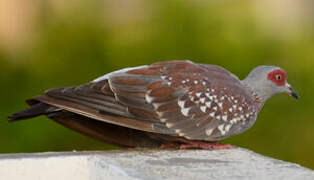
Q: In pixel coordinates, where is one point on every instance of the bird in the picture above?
(169, 104)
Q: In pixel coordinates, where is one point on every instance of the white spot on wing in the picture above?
(209, 132)
(202, 100)
(157, 105)
(208, 104)
(177, 131)
(181, 103)
(163, 120)
(235, 120)
(225, 118)
(227, 127)
(221, 129)
(203, 108)
(212, 114)
(148, 98)
(169, 125)
(220, 105)
(159, 113)
(185, 111)
(198, 94)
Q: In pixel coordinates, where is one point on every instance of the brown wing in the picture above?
(95, 100)
(197, 101)
(177, 98)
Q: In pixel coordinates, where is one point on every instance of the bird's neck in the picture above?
(259, 95)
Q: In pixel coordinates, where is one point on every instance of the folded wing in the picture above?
(176, 98)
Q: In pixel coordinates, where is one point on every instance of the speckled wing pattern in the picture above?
(181, 98)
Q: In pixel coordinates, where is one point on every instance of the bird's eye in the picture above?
(278, 77)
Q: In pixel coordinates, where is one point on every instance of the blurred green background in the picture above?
(55, 43)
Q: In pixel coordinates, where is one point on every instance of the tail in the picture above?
(33, 111)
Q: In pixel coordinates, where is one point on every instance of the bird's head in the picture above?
(267, 81)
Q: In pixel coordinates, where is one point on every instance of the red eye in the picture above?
(278, 77)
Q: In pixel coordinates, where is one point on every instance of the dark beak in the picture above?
(292, 92)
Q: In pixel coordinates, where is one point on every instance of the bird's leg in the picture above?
(170, 145)
(204, 145)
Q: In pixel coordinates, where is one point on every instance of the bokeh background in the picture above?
(55, 43)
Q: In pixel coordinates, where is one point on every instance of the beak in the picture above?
(291, 91)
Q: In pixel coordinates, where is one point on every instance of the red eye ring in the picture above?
(278, 77)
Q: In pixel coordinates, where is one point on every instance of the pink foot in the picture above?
(188, 144)
(204, 145)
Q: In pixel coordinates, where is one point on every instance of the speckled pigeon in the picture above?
(174, 104)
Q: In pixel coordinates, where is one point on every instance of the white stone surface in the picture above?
(236, 163)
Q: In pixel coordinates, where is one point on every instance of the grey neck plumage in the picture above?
(260, 95)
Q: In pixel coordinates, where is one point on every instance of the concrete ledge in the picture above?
(148, 164)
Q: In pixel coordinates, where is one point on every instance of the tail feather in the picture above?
(33, 111)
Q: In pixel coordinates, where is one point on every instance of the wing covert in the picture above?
(196, 101)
